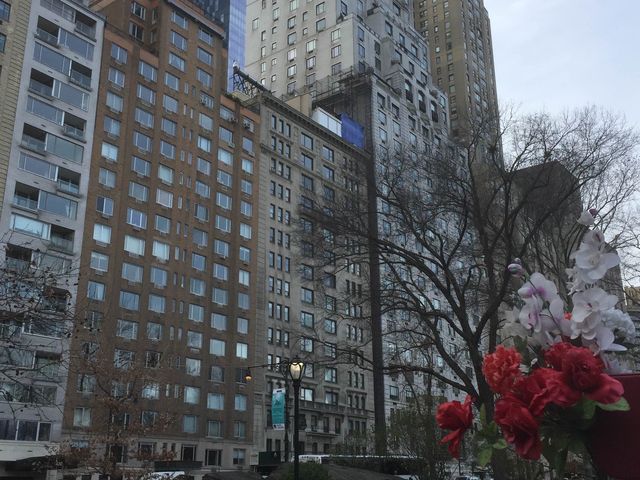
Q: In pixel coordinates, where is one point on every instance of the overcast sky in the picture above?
(557, 54)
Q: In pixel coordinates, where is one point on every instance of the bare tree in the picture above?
(112, 429)
(437, 230)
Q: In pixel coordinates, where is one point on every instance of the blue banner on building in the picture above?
(352, 131)
(278, 397)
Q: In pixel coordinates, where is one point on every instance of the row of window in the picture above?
(97, 291)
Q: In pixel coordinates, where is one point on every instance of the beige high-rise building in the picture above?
(461, 57)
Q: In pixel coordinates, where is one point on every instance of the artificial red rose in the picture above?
(456, 417)
(501, 369)
(582, 372)
(537, 390)
(554, 355)
(519, 427)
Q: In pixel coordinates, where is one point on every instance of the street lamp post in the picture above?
(296, 369)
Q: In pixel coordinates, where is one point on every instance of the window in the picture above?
(197, 287)
(136, 31)
(82, 417)
(143, 142)
(138, 10)
(170, 128)
(306, 319)
(221, 248)
(145, 119)
(219, 321)
(204, 166)
(245, 231)
(127, 329)
(149, 72)
(140, 166)
(191, 395)
(157, 303)
(102, 233)
(240, 402)
(172, 81)
(138, 191)
(179, 20)
(215, 401)
(330, 326)
(112, 127)
(239, 456)
(129, 300)
(132, 273)
(200, 237)
(109, 152)
(164, 198)
(118, 53)
(214, 429)
(220, 296)
(104, 205)
(204, 78)
(177, 41)
(165, 174)
(243, 325)
(189, 423)
(134, 245)
(239, 429)
(223, 224)
(217, 347)
(306, 344)
(242, 350)
(158, 277)
(321, 25)
(170, 104)
(136, 218)
(331, 374)
(145, 94)
(244, 254)
(116, 77)
(194, 339)
(226, 157)
(196, 313)
(161, 250)
(96, 291)
(99, 261)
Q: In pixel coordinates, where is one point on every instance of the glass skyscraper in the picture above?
(231, 15)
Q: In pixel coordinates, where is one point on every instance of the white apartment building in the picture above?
(47, 173)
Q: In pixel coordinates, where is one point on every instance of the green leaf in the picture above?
(483, 415)
(587, 408)
(484, 455)
(620, 406)
(500, 444)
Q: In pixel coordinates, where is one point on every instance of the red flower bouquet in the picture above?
(545, 406)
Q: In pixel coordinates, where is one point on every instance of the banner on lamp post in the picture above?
(277, 408)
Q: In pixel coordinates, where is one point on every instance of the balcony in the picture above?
(40, 89)
(33, 144)
(46, 37)
(62, 244)
(69, 186)
(86, 30)
(25, 202)
(80, 79)
(73, 132)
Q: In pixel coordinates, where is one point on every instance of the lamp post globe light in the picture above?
(296, 369)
